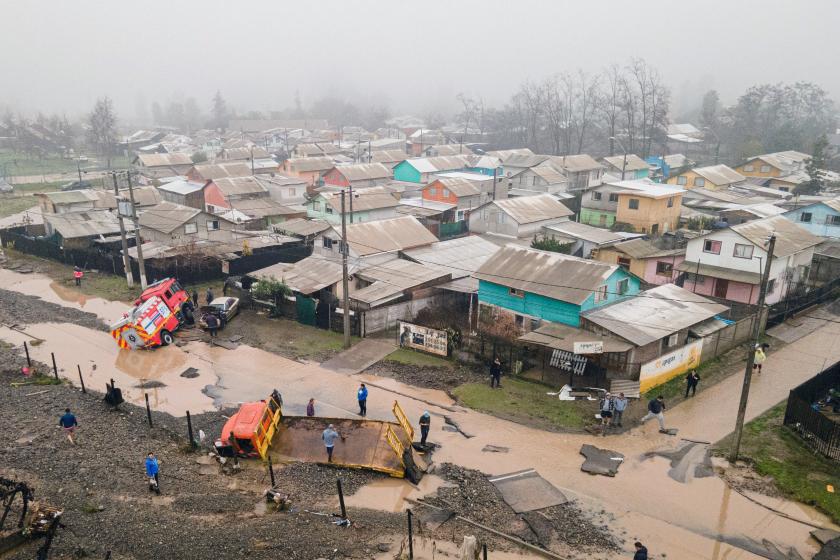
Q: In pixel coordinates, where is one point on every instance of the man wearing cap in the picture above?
(425, 424)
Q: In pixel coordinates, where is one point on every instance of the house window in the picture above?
(743, 251)
(711, 246)
(749, 167)
(328, 243)
(316, 206)
(516, 293)
(832, 220)
(601, 294)
(699, 182)
(671, 341)
(805, 217)
(190, 228)
(765, 169)
(613, 197)
(771, 286)
(445, 193)
(623, 286)
(670, 202)
(695, 278)
(664, 268)
(633, 204)
(596, 195)
(682, 180)
(329, 209)
(784, 189)
(212, 225)
(500, 218)
(459, 216)
(624, 263)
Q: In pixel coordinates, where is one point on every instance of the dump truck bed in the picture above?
(365, 444)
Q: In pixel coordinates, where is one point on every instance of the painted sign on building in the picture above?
(594, 347)
(423, 338)
(668, 366)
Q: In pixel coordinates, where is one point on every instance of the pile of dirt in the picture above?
(22, 309)
(429, 377)
(743, 478)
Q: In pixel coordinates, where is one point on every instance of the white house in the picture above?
(518, 217)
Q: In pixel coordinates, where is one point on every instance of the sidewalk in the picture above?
(360, 357)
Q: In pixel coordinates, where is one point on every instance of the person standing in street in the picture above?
(641, 551)
(619, 406)
(607, 406)
(362, 395)
(496, 373)
(759, 358)
(208, 297)
(212, 324)
(310, 407)
(691, 381)
(329, 436)
(195, 298)
(152, 470)
(425, 424)
(68, 423)
(655, 410)
(77, 275)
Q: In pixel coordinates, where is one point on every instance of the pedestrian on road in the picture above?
(759, 358)
(691, 381)
(310, 407)
(607, 406)
(425, 424)
(77, 275)
(208, 297)
(152, 470)
(224, 288)
(641, 551)
(362, 395)
(496, 373)
(619, 406)
(195, 298)
(655, 408)
(212, 323)
(329, 436)
(68, 423)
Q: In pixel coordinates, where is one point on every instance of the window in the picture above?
(516, 293)
(212, 225)
(190, 228)
(784, 189)
(682, 180)
(328, 243)
(664, 268)
(329, 209)
(695, 278)
(699, 182)
(771, 286)
(316, 206)
(805, 217)
(743, 251)
(613, 197)
(445, 192)
(500, 218)
(624, 263)
(596, 195)
(671, 341)
(711, 246)
(459, 216)
(749, 167)
(832, 220)
(765, 169)
(670, 202)
(623, 286)
(601, 294)
(633, 204)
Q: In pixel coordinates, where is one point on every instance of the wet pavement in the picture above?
(697, 519)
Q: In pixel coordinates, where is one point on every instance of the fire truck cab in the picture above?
(157, 313)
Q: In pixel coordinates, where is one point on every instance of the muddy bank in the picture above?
(428, 377)
(20, 309)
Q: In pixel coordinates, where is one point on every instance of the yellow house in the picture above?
(778, 164)
(650, 209)
(713, 177)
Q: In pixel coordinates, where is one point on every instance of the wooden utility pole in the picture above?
(745, 390)
(137, 240)
(345, 282)
(129, 276)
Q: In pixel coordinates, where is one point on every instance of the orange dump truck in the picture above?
(157, 313)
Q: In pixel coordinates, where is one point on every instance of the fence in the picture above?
(817, 429)
(728, 337)
(799, 299)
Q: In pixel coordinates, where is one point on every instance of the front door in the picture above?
(721, 286)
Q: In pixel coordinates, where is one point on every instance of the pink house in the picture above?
(653, 264)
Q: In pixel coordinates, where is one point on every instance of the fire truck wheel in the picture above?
(166, 338)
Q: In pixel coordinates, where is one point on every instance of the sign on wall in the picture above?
(594, 347)
(423, 338)
(668, 366)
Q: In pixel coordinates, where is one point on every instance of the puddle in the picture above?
(428, 549)
(389, 494)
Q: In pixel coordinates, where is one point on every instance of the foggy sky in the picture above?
(59, 56)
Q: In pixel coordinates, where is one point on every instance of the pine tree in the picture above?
(220, 111)
(814, 168)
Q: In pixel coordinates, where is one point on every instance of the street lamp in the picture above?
(624, 163)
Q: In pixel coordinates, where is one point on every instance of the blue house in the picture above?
(421, 170)
(546, 286)
(486, 165)
(820, 218)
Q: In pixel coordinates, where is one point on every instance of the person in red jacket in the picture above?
(77, 275)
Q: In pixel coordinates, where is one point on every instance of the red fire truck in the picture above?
(156, 314)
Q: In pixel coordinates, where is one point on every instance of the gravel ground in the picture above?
(21, 309)
(430, 377)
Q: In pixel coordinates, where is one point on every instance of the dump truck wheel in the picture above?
(166, 338)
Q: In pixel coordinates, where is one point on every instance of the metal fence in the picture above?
(817, 429)
(800, 298)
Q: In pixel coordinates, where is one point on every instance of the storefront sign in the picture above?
(665, 368)
(594, 347)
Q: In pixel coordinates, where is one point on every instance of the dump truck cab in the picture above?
(248, 433)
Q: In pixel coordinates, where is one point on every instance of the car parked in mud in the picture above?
(224, 308)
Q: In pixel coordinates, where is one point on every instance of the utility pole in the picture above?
(345, 282)
(79, 169)
(252, 161)
(137, 239)
(129, 276)
(351, 202)
(745, 390)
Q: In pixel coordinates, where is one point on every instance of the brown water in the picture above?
(389, 494)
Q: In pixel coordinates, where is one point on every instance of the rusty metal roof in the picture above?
(302, 227)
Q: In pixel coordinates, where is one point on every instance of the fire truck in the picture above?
(157, 313)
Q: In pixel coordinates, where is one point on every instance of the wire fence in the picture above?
(812, 417)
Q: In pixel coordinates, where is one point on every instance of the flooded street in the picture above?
(699, 519)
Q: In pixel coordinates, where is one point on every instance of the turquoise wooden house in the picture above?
(539, 286)
(820, 218)
(421, 170)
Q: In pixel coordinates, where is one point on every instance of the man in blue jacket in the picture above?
(152, 469)
(655, 410)
(68, 423)
(362, 395)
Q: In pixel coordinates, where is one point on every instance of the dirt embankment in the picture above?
(429, 377)
(20, 309)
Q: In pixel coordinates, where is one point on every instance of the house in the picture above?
(309, 169)
(374, 242)
(727, 263)
(302, 228)
(544, 286)
(244, 153)
(389, 283)
(374, 203)
(542, 178)
(712, 177)
(163, 165)
(778, 164)
(649, 261)
(505, 155)
(581, 169)
(740, 213)
(185, 193)
(79, 229)
(440, 218)
(518, 217)
(176, 225)
(357, 175)
(515, 163)
(820, 218)
(463, 193)
(447, 150)
(260, 213)
(61, 202)
(461, 257)
(492, 188)
(210, 171)
(582, 238)
(649, 208)
(627, 166)
(600, 205)
(220, 193)
(420, 170)
(485, 165)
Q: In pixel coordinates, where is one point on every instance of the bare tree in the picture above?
(103, 128)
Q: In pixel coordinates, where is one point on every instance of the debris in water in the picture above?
(527, 491)
(600, 461)
(190, 373)
(689, 460)
(495, 449)
(150, 385)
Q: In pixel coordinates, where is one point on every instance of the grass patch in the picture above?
(414, 358)
(776, 451)
(21, 164)
(526, 402)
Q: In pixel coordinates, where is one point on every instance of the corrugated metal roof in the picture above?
(553, 275)
(310, 164)
(459, 187)
(450, 150)
(255, 152)
(654, 314)
(181, 187)
(563, 337)
(684, 128)
(164, 160)
(385, 236)
(238, 186)
(732, 274)
(362, 200)
(437, 164)
(377, 293)
(523, 160)
(87, 223)
(262, 207)
(167, 216)
(829, 248)
(364, 171)
(305, 276)
(834, 204)
(787, 161)
(460, 256)
(549, 174)
(221, 170)
(529, 209)
(504, 155)
(643, 249)
(302, 227)
(790, 238)
(388, 156)
(599, 236)
(634, 162)
(403, 273)
(720, 174)
(575, 163)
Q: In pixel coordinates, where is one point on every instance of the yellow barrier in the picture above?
(403, 420)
